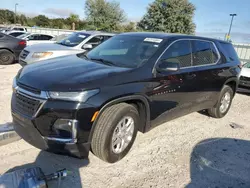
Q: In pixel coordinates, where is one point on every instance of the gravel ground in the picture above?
(192, 151)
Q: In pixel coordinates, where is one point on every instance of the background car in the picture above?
(245, 77)
(14, 28)
(36, 38)
(15, 33)
(77, 42)
(10, 48)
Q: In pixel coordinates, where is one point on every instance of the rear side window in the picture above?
(18, 29)
(204, 53)
(230, 51)
(15, 34)
(45, 37)
(179, 52)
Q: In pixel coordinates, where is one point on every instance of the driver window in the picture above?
(95, 41)
(179, 52)
(34, 37)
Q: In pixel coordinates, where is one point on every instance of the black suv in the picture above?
(132, 82)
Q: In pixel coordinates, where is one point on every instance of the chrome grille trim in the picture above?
(42, 98)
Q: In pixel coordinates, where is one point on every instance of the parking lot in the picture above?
(171, 155)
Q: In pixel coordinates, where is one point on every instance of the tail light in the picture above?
(22, 43)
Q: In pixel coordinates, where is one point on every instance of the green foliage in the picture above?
(172, 16)
(42, 20)
(104, 15)
(131, 26)
(6, 16)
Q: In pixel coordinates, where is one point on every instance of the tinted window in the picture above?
(15, 34)
(95, 41)
(230, 51)
(45, 37)
(215, 55)
(18, 29)
(34, 37)
(179, 52)
(202, 53)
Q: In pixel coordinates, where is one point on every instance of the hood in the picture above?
(245, 72)
(68, 73)
(45, 47)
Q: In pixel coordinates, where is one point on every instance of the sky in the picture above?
(211, 16)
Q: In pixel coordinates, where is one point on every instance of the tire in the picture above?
(6, 57)
(216, 111)
(106, 126)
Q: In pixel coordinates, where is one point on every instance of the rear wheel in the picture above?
(115, 132)
(224, 103)
(6, 57)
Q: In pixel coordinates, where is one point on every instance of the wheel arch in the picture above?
(139, 101)
(7, 49)
(233, 83)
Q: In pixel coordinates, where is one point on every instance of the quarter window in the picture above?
(179, 52)
(204, 53)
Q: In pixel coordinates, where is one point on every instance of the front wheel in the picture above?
(115, 132)
(6, 57)
(224, 103)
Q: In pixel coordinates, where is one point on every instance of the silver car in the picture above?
(75, 43)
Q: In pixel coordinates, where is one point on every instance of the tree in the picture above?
(104, 15)
(42, 20)
(6, 16)
(131, 26)
(172, 16)
(22, 19)
(73, 18)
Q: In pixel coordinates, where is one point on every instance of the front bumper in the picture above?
(244, 84)
(39, 128)
(26, 130)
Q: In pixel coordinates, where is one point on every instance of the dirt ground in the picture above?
(192, 151)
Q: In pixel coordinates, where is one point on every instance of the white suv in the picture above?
(75, 43)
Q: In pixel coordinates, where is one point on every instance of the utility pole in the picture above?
(229, 32)
(15, 13)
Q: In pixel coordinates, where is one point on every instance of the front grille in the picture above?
(25, 105)
(244, 78)
(24, 54)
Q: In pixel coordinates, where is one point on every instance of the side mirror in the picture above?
(87, 46)
(166, 66)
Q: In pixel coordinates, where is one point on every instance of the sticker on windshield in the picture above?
(153, 40)
(82, 36)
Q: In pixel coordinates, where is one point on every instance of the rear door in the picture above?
(175, 92)
(206, 68)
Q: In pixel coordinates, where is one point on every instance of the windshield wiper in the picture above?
(104, 61)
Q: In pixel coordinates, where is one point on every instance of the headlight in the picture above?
(73, 96)
(41, 54)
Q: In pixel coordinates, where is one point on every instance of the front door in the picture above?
(174, 93)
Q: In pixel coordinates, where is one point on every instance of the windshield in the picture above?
(23, 35)
(247, 65)
(126, 51)
(74, 39)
